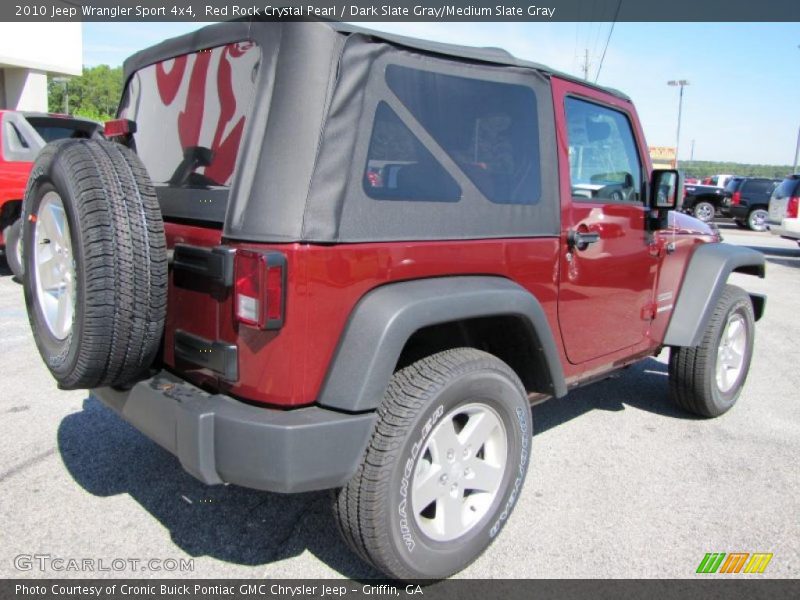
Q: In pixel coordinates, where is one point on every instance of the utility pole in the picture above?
(691, 155)
(585, 67)
(797, 147)
(682, 83)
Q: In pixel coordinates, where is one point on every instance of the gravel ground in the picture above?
(621, 484)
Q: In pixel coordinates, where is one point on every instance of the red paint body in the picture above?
(608, 306)
(13, 179)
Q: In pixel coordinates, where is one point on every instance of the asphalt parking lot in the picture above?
(621, 484)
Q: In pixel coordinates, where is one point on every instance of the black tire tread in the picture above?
(124, 271)
(691, 368)
(11, 236)
(411, 389)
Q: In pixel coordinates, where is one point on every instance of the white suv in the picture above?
(784, 209)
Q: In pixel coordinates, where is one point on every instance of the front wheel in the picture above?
(707, 379)
(757, 219)
(444, 468)
(704, 211)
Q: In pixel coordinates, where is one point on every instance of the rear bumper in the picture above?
(787, 228)
(220, 440)
(739, 212)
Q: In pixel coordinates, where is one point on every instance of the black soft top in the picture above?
(300, 168)
(207, 36)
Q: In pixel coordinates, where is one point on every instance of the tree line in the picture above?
(94, 95)
(705, 168)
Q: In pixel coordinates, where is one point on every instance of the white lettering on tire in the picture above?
(523, 462)
(405, 530)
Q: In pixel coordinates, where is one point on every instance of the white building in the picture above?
(29, 52)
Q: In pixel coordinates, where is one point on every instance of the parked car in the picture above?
(22, 136)
(381, 252)
(747, 200)
(784, 209)
(717, 180)
(702, 201)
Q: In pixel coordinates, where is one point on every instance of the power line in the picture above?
(610, 32)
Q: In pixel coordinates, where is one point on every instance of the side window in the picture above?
(489, 129)
(399, 167)
(758, 187)
(604, 163)
(787, 188)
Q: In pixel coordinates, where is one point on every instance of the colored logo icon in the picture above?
(736, 562)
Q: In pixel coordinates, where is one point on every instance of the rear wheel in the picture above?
(444, 467)
(757, 219)
(704, 211)
(13, 238)
(95, 263)
(708, 379)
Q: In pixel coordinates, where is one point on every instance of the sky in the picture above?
(741, 103)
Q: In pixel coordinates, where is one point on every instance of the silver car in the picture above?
(784, 209)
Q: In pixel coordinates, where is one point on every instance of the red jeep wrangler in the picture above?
(318, 257)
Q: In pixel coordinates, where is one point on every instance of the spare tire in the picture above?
(95, 263)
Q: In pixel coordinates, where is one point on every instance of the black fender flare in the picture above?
(386, 317)
(705, 277)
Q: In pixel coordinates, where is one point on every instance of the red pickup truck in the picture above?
(317, 257)
(22, 136)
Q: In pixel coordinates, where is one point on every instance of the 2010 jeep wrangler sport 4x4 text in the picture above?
(315, 257)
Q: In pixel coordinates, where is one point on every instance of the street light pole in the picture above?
(681, 83)
(65, 81)
(797, 147)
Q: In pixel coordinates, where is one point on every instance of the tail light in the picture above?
(119, 127)
(259, 288)
(793, 207)
(736, 198)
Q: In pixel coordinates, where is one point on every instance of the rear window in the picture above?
(733, 185)
(787, 188)
(191, 112)
(55, 128)
(487, 129)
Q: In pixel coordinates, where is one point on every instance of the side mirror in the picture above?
(666, 191)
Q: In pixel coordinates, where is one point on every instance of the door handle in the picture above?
(580, 240)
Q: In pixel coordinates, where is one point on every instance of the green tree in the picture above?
(705, 168)
(95, 94)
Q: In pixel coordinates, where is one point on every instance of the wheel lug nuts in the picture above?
(466, 452)
(443, 478)
(467, 472)
(454, 488)
(451, 455)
